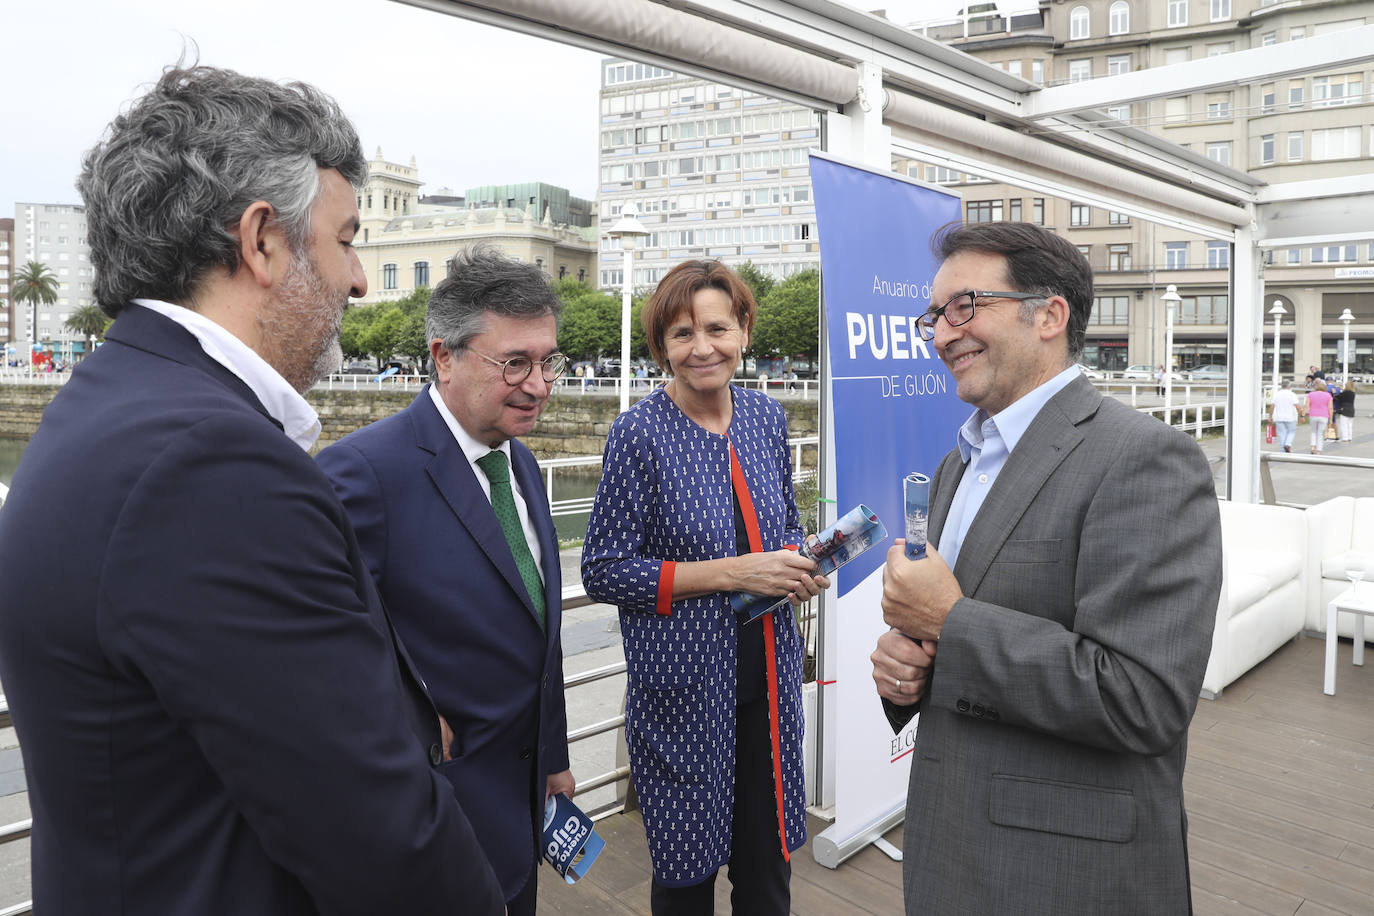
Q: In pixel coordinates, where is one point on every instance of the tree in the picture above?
(352, 330)
(88, 321)
(789, 322)
(759, 283)
(590, 325)
(383, 335)
(34, 284)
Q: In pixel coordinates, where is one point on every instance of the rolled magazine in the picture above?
(916, 498)
(855, 531)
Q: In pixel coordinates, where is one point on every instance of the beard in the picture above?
(300, 330)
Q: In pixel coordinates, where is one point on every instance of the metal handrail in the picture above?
(1268, 458)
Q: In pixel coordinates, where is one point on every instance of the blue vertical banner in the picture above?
(892, 411)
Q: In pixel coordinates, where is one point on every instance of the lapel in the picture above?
(948, 475)
(1052, 435)
(144, 329)
(457, 482)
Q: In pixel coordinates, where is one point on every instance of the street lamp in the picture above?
(1278, 311)
(629, 230)
(1171, 300)
(1345, 318)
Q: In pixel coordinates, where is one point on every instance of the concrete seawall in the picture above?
(572, 425)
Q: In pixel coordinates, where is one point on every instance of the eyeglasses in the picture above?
(960, 309)
(515, 371)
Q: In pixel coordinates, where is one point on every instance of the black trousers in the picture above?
(759, 876)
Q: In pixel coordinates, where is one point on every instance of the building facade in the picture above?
(54, 235)
(713, 171)
(1317, 125)
(7, 267)
(405, 241)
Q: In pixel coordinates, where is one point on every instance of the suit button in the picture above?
(436, 755)
(962, 705)
(993, 714)
(525, 753)
(978, 710)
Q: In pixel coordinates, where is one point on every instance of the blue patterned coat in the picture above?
(665, 497)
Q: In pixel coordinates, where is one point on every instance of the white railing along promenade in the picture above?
(609, 386)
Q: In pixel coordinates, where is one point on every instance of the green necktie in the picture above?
(497, 469)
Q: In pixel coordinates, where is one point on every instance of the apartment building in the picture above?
(54, 235)
(1317, 125)
(7, 268)
(714, 172)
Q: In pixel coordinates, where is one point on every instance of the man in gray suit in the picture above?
(1057, 667)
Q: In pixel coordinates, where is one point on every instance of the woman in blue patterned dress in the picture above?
(695, 503)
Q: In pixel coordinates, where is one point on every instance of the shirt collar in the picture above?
(1011, 424)
(472, 449)
(283, 403)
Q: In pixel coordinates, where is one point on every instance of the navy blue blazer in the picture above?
(213, 710)
(446, 574)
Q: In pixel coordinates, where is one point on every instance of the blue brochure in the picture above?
(571, 844)
(855, 532)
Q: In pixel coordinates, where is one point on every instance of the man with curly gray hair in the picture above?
(215, 713)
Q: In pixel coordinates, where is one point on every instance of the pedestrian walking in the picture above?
(1283, 413)
(1319, 413)
(1344, 404)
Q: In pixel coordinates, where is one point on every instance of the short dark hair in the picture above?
(674, 295)
(168, 183)
(1038, 261)
(481, 280)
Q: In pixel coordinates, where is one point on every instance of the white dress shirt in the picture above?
(472, 450)
(298, 419)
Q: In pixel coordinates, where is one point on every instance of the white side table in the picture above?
(1357, 600)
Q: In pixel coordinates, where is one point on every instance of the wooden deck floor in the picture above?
(1280, 796)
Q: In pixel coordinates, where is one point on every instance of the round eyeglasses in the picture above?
(960, 309)
(514, 371)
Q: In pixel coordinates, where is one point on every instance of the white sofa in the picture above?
(1264, 589)
(1335, 529)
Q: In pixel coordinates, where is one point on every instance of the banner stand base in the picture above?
(829, 849)
(887, 849)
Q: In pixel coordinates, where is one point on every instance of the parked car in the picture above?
(358, 368)
(1091, 373)
(1215, 372)
(1141, 371)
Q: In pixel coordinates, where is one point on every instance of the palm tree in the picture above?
(89, 322)
(35, 284)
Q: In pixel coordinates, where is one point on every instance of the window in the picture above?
(1118, 63)
(1118, 257)
(1294, 94)
(1175, 255)
(1176, 110)
(1013, 67)
(1220, 48)
(1014, 210)
(1117, 219)
(1078, 22)
(388, 276)
(1079, 214)
(1220, 152)
(1037, 71)
(1218, 254)
(1218, 106)
(1335, 143)
(1038, 211)
(1204, 309)
(1119, 112)
(1344, 89)
(1080, 70)
(1295, 146)
(1119, 18)
(1221, 9)
(1297, 34)
(1176, 56)
(1294, 256)
(421, 274)
(984, 211)
(1269, 38)
(1267, 148)
(1178, 13)
(1267, 98)
(1333, 253)
(938, 174)
(1109, 310)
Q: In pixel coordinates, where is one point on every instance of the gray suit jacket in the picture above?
(1047, 774)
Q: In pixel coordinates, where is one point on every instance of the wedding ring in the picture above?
(899, 685)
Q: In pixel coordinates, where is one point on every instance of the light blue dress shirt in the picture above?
(985, 442)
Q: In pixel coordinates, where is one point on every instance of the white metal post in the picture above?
(1171, 300)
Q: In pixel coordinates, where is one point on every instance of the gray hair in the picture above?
(166, 186)
(480, 281)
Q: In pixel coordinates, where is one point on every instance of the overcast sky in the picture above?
(473, 104)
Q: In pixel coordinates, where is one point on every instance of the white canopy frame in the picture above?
(885, 89)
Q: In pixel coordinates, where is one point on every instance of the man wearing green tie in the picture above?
(452, 517)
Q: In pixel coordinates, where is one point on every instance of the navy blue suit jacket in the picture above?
(444, 569)
(213, 710)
